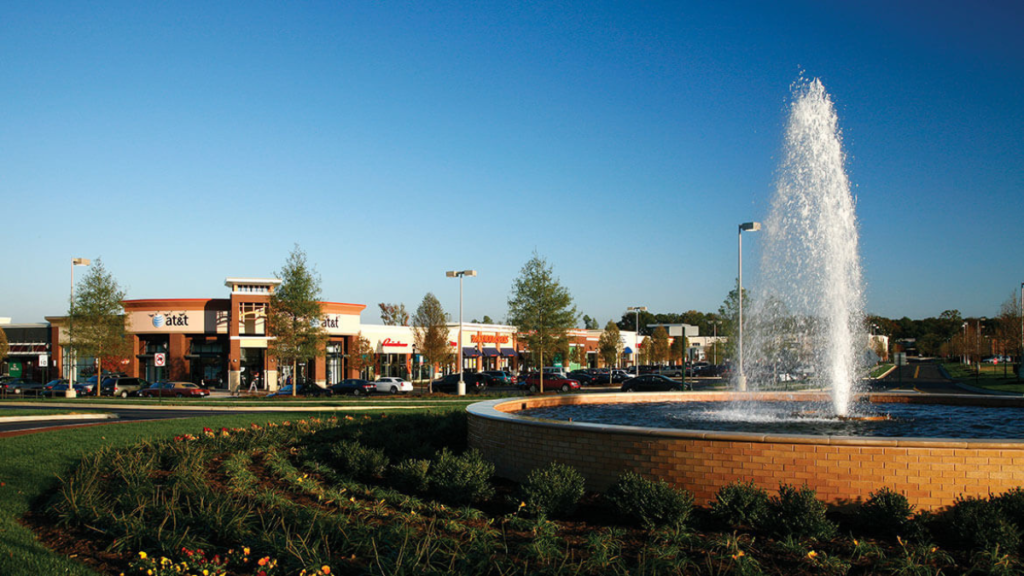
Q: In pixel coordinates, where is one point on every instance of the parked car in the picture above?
(19, 385)
(700, 369)
(652, 383)
(304, 389)
(450, 383)
(175, 390)
(672, 371)
(497, 378)
(354, 386)
(584, 378)
(59, 389)
(123, 386)
(551, 382)
(393, 385)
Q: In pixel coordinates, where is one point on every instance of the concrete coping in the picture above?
(504, 409)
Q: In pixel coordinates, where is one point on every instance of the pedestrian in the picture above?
(253, 382)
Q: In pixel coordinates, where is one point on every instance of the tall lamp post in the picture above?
(741, 379)
(70, 392)
(636, 336)
(977, 347)
(460, 274)
(714, 345)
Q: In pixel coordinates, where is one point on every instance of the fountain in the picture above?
(806, 318)
(806, 312)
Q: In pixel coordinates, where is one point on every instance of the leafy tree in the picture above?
(659, 345)
(610, 347)
(646, 355)
(430, 332)
(1008, 329)
(393, 314)
(98, 319)
(5, 347)
(542, 309)
(678, 349)
(590, 323)
(487, 319)
(361, 356)
(629, 322)
(293, 316)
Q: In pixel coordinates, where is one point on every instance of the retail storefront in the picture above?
(28, 355)
(486, 346)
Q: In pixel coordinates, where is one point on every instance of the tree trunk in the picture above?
(99, 374)
(295, 378)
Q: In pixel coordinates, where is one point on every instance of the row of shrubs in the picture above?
(556, 490)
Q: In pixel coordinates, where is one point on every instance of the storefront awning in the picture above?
(627, 350)
(508, 352)
(470, 352)
(490, 352)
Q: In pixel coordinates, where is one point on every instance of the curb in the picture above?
(50, 417)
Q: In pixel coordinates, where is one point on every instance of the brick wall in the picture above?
(931, 473)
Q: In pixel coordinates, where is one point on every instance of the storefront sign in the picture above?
(489, 339)
(388, 342)
(161, 319)
(171, 321)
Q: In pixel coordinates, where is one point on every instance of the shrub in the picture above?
(358, 461)
(977, 524)
(1011, 503)
(886, 514)
(650, 503)
(554, 490)
(411, 476)
(740, 505)
(460, 480)
(798, 512)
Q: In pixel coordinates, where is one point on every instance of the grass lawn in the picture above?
(30, 464)
(995, 377)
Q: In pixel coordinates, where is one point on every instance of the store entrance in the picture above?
(252, 369)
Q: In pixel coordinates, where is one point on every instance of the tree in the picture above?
(659, 345)
(678, 349)
(629, 321)
(542, 309)
(487, 319)
(728, 313)
(393, 314)
(361, 356)
(646, 355)
(590, 323)
(1009, 329)
(293, 316)
(610, 347)
(5, 346)
(430, 331)
(98, 319)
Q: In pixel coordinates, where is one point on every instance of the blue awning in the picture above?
(627, 350)
(470, 352)
(490, 352)
(508, 352)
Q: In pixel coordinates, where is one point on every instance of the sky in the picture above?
(187, 142)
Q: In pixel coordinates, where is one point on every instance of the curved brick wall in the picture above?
(841, 469)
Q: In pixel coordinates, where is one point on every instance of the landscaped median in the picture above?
(29, 415)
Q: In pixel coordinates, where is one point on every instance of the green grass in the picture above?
(877, 371)
(995, 377)
(30, 465)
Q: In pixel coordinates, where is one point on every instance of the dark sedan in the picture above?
(304, 390)
(19, 385)
(59, 388)
(354, 386)
(652, 383)
(450, 383)
(175, 390)
(584, 378)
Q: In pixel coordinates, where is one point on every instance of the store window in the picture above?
(252, 319)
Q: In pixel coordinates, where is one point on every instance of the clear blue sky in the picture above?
(624, 141)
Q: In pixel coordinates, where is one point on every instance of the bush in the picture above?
(977, 524)
(798, 512)
(358, 461)
(886, 514)
(740, 505)
(460, 480)
(650, 503)
(411, 476)
(554, 490)
(1011, 503)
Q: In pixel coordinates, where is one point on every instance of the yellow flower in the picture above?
(325, 569)
(812, 554)
(855, 542)
(142, 555)
(245, 551)
(522, 504)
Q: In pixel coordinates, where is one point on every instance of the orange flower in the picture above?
(263, 561)
(325, 569)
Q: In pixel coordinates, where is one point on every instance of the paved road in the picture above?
(924, 377)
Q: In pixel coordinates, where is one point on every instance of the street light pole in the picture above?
(70, 392)
(636, 335)
(460, 274)
(977, 348)
(741, 379)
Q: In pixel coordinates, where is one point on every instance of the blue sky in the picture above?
(624, 141)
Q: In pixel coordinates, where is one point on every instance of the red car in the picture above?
(175, 390)
(551, 382)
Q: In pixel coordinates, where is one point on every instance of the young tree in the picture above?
(5, 346)
(98, 319)
(393, 314)
(728, 312)
(542, 309)
(430, 332)
(1009, 329)
(361, 356)
(659, 345)
(646, 355)
(293, 316)
(610, 347)
(487, 319)
(590, 323)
